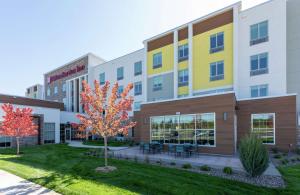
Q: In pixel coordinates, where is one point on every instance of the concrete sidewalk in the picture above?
(78, 144)
(14, 185)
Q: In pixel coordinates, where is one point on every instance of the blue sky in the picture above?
(37, 36)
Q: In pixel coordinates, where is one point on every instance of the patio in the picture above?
(214, 161)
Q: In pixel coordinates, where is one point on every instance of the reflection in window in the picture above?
(182, 129)
(263, 126)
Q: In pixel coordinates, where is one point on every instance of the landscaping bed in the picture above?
(68, 171)
(113, 143)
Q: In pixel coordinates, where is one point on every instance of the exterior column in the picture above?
(80, 89)
(68, 83)
(145, 72)
(175, 42)
(235, 49)
(75, 98)
(190, 64)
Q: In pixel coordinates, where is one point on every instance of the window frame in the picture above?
(217, 77)
(157, 88)
(218, 48)
(259, 70)
(259, 39)
(139, 72)
(183, 83)
(184, 48)
(258, 88)
(159, 65)
(100, 76)
(139, 83)
(120, 87)
(120, 77)
(47, 131)
(48, 91)
(274, 126)
(134, 105)
(178, 125)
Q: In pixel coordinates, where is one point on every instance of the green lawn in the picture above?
(109, 143)
(68, 171)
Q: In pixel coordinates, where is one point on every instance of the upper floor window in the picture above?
(137, 88)
(137, 106)
(64, 87)
(120, 73)
(55, 90)
(120, 90)
(259, 64)
(259, 91)
(183, 78)
(217, 42)
(28, 91)
(183, 52)
(102, 78)
(263, 125)
(157, 83)
(35, 88)
(138, 68)
(259, 33)
(217, 71)
(157, 60)
(48, 91)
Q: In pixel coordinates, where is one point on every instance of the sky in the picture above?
(37, 36)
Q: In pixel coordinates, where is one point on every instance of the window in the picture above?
(259, 91)
(120, 90)
(35, 88)
(298, 118)
(138, 88)
(102, 78)
(259, 33)
(157, 83)
(216, 71)
(120, 73)
(183, 52)
(137, 106)
(157, 60)
(65, 103)
(180, 129)
(217, 42)
(183, 78)
(5, 142)
(55, 90)
(137, 68)
(64, 87)
(49, 133)
(259, 64)
(28, 91)
(263, 125)
(48, 91)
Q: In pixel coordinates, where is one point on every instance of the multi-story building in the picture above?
(64, 83)
(35, 92)
(208, 82)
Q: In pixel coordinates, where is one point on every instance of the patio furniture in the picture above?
(171, 148)
(179, 150)
(189, 149)
(146, 148)
(141, 146)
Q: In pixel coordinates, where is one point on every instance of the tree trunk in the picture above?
(18, 145)
(105, 150)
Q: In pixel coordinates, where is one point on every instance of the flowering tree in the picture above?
(106, 117)
(17, 123)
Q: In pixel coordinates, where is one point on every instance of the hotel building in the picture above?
(35, 92)
(208, 82)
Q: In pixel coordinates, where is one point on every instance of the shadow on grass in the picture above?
(64, 167)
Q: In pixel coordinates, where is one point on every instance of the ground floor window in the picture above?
(49, 133)
(5, 141)
(184, 129)
(264, 126)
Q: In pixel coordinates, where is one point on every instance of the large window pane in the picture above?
(263, 127)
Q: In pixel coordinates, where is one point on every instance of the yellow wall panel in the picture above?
(183, 90)
(202, 59)
(167, 60)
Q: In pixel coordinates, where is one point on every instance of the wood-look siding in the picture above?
(285, 118)
(161, 42)
(217, 104)
(183, 34)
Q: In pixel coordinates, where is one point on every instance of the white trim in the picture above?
(267, 97)
(175, 72)
(274, 120)
(214, 88)
(195, 129)
(190, 62)
(162, 73)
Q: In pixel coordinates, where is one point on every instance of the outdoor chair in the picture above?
(171, 149)
(179, 150)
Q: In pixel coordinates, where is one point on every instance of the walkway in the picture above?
(14, 185)
(78, 144)
(214, 161)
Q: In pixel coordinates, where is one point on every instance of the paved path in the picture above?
(78, 144)
(14, 185)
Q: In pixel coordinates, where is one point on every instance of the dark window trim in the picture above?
(137, 73)
(157, 66)
(259, 71)
(181, 59)
(259, 40)
(217, 77)
(217, 49)
(182, 84)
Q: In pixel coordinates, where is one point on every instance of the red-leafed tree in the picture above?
(106, 115)
(17, 123)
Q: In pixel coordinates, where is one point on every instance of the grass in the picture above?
(109, 143)
(68, 171)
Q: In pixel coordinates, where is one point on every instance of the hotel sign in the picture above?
(67, 73)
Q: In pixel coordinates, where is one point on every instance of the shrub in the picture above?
(205, 168)
(227, 170)
(278, 156)
(284, 161)
(297, 151)
(274, 150)
(293, 159)
(187, 166)
(173, 163)
(253, 155)
(159, 162)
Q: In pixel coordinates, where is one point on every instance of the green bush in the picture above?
(297, 151)
(253, 155)
(278, 156)
(173, 163)
(187, 166)
(227, 170)
(205, 168)
(284, 161)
